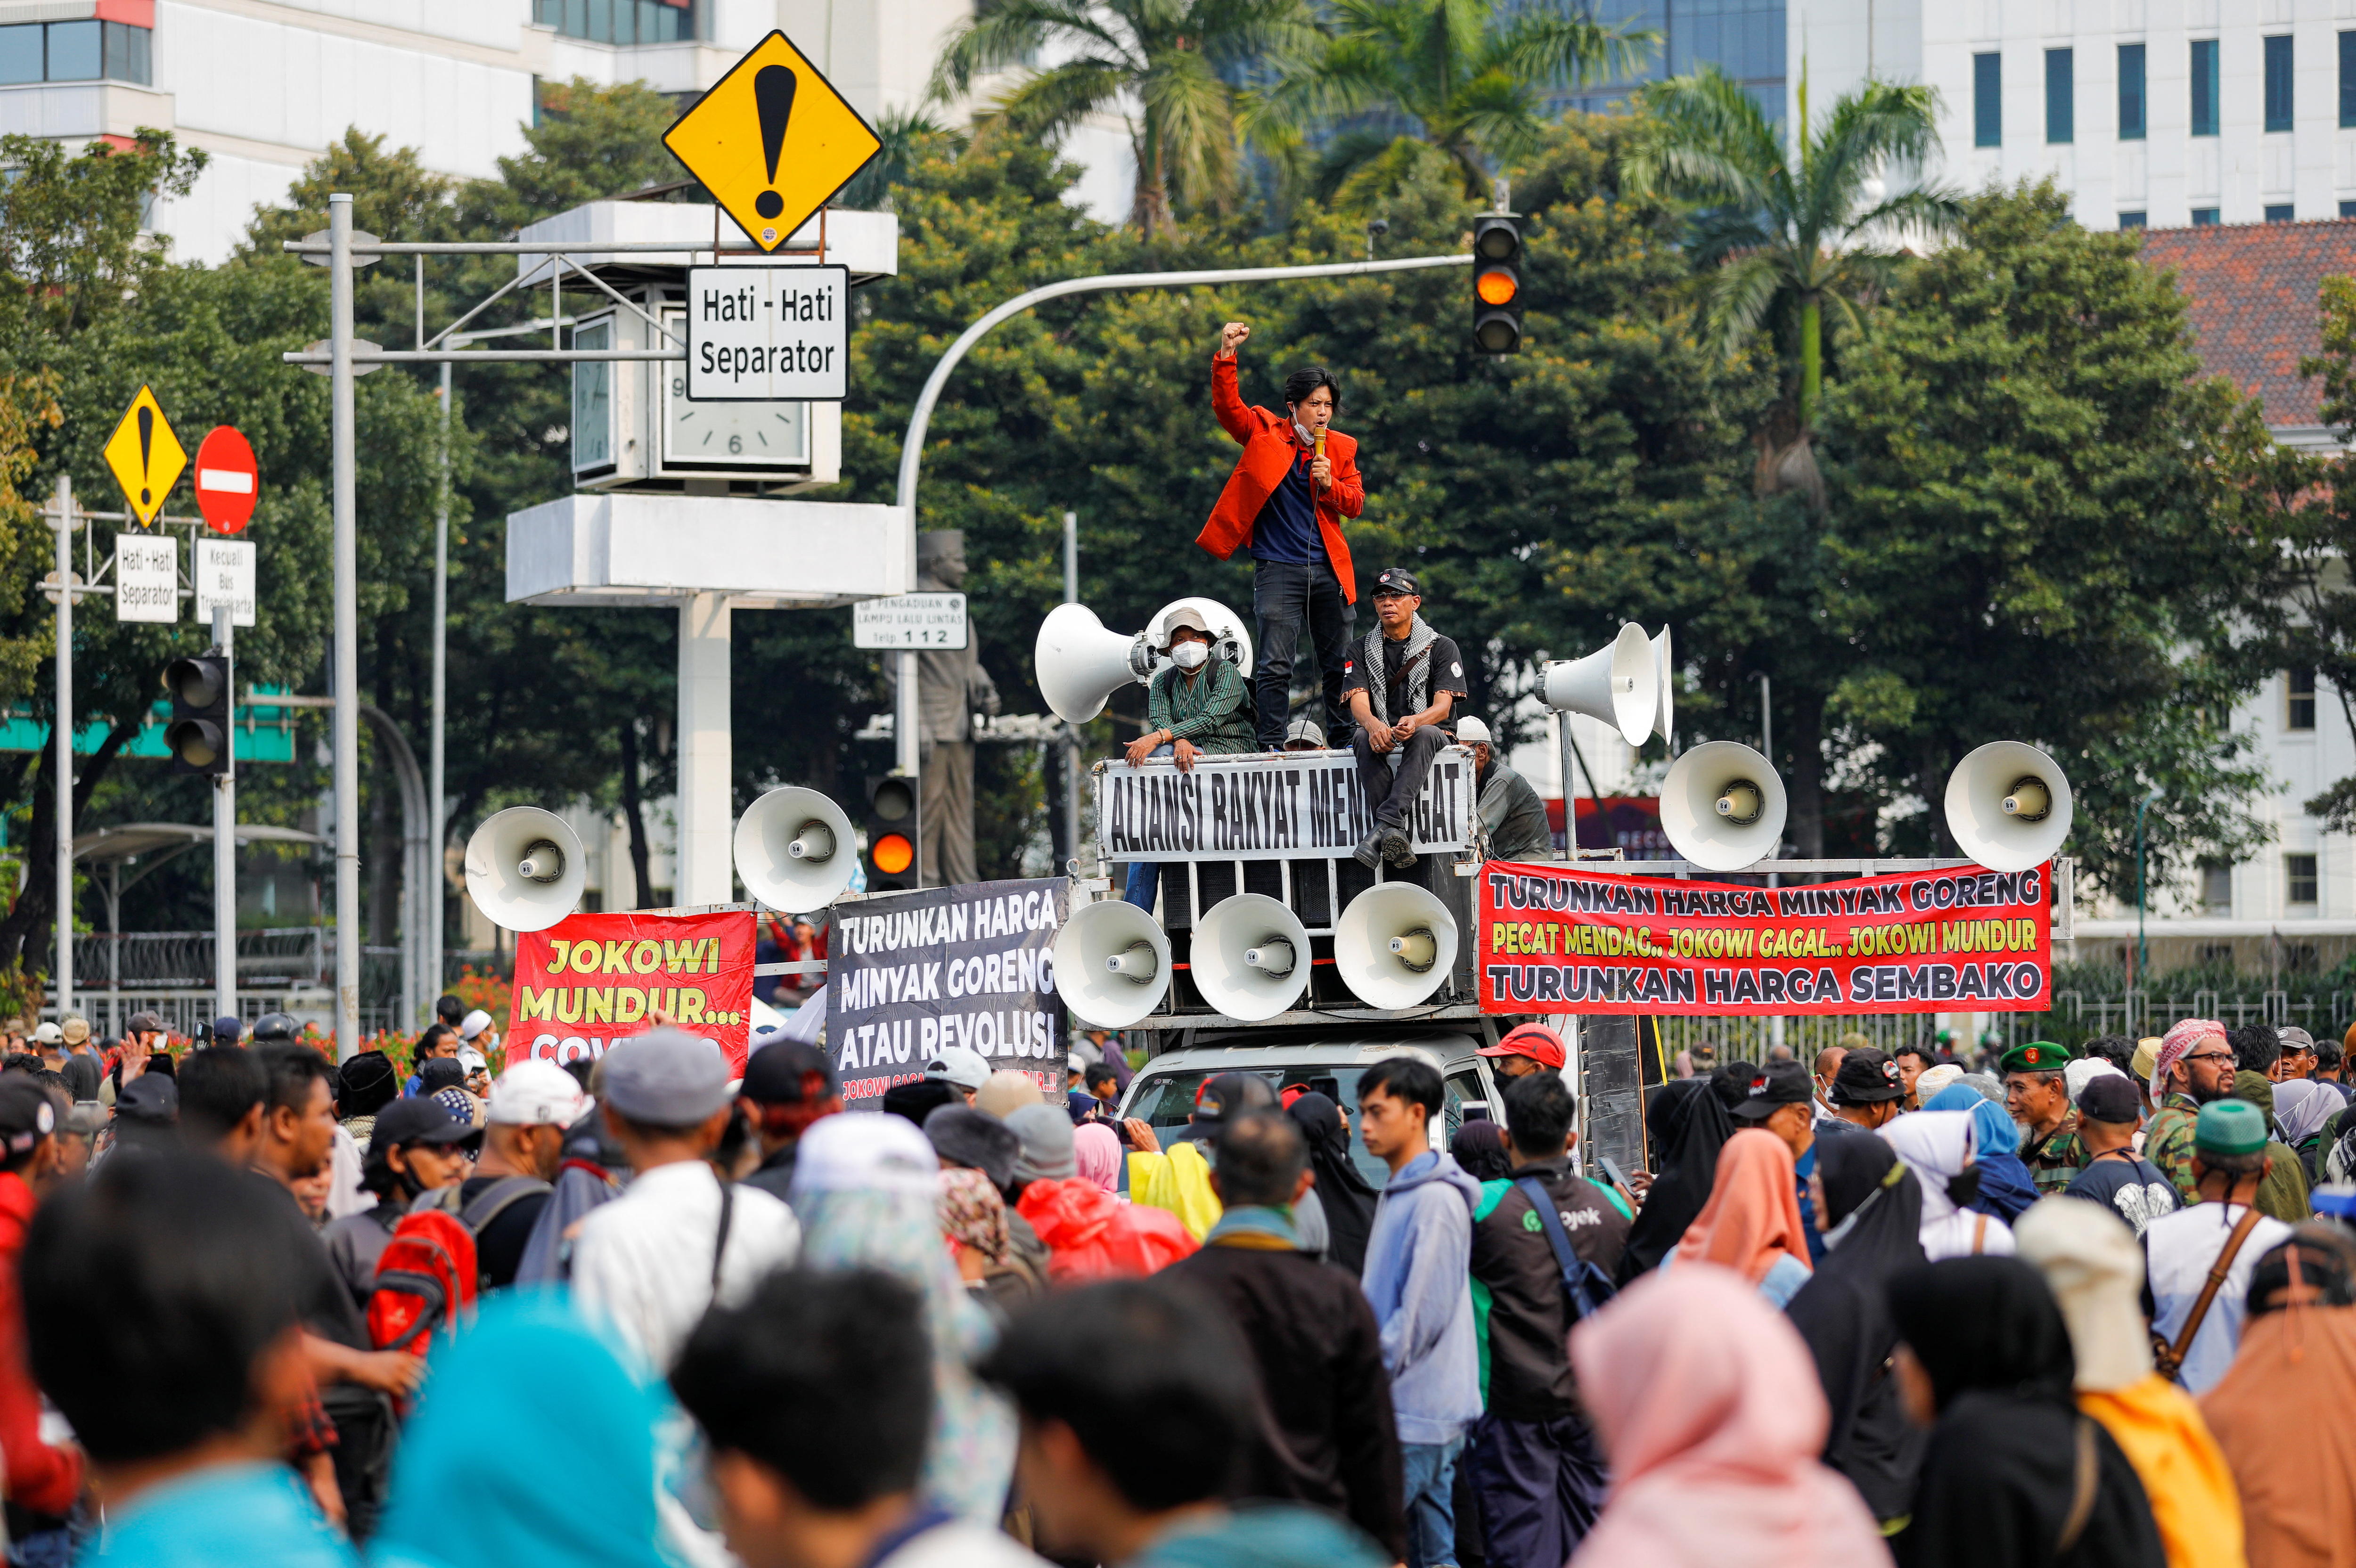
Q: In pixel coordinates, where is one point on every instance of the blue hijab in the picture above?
(531, 1380)
(2006, 1190)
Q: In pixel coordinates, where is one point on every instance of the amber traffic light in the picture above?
(1496, 284)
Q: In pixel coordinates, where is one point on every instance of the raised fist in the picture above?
(1231, 334)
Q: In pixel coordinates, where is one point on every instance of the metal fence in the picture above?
(2076, 1015)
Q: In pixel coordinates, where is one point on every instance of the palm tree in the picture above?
(1785, 237)
(1154, 62)
(1475, 84)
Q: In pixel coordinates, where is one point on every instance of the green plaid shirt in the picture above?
(1214, 709)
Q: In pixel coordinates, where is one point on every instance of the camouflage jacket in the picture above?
(2167, 1144)
(2055, 1161)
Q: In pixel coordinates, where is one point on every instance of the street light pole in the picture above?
(2143, 954)
(65, 739)
(346, 716)
(436, 823)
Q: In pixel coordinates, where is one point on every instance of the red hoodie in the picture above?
(41, 1478)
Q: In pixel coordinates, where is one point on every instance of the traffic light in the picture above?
(1496, 284)
(890, 833)
(198, 734)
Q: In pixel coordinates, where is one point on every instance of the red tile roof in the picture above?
(2255, 290)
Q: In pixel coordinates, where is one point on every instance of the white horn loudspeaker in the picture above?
(1112, 964)
(795, 850)
(1250, 957)
(1394, 945)
(1722, 806)
(524, 868)
(2008, 806)
(1080, 664)
(1619, 683)
(1668, 673)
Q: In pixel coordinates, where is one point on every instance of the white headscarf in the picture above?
(2302, 1107)
(1939, 1145)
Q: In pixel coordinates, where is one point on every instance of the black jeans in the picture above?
(1286, 597)
(1389, 795)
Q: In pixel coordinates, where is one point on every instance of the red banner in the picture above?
(1558, 940)
(591, 980)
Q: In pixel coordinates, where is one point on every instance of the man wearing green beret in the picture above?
(2229, 1162)
(2037, 1096)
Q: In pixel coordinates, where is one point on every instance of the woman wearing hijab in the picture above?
(1872, 1210)
(585, 1496)
(2015, 1476)
(2006, 1190)
(1703, 1400)
(1096, 1152)
(1344, 1193)
(1482, 1153)
(1752, 1222)
(1688, 1125)
(2280, 1412)
(867, 1190)
(2093, 1264)
(2301, 1108)
(1939, 1145)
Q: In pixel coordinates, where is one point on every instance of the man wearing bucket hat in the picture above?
(2201, 1257)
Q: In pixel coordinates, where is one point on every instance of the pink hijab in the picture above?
(1096, 1148)
(1708, 1405)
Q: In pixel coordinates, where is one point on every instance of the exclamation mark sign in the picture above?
(773, 100)
(146, 451)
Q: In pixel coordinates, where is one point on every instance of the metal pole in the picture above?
(2143, 955)
(64, 738)
(225, 840)
(438, 825)
(1766, 717)
(346, 718)
(1071, 736)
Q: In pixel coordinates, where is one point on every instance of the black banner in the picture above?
(1268, 807)
(972, 966)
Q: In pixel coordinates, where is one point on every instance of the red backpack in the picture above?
(425, 1281)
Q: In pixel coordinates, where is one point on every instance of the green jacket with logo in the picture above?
(1521, 1311)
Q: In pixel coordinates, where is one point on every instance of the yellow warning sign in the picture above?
(773, 141)
(147, 457)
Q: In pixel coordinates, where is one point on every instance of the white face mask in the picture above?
(1189, 656)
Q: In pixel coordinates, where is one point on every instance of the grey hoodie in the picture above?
(1417, 1278)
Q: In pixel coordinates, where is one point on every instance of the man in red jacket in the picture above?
(43, 1478)
(1295, 482)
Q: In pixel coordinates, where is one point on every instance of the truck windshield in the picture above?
(1166, 1100)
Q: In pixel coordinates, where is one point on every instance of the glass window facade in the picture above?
(2132, 115)
(2300, 884)
(2279, 214)
(76, 51)
(1744, 39)
(2204, 217)
(2205, 87)
(2347, 79)
(626, 22)
(2060, 97)
(2278, 84)
(1987, 100)
(2133, 219)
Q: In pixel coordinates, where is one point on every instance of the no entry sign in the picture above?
(228, 482)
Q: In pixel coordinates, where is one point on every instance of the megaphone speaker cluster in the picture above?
(524, 868)
(1250, 957)
(1112, 964)
(1394, 945)
(795, 850)
(1625, 683)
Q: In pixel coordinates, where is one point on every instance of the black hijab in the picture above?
(1873, 1216)
(1999, 1478)
(1688, 1125)
(1477, 1148)
(1348, 1201)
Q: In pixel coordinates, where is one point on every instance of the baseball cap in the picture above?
(48, 1035)
(976, 1140)
(2084, 1071)
(1867, 1076)
(2294, 1037)
(1536, 1041)
(228, 1031)
(1773, 1087)
(2230, 1126)
(76, 1029)
(2035, 1056)
(420, 1119)
(1230, 1092)
(2111, 1098)
(26, 1113)
(1470, 731)
(151, 1098)
(1048, 1151)
(143, 1023)
(1397, 579)
(666, 1078)
(1307, 730)
(1184, 616)
(276, 1026)
(536, 1094)
(959, 1065)
(475, 1022)
(788, 1072)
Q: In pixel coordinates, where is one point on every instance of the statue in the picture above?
(952, 686)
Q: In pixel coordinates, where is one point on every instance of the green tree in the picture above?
(2041, 528)
(1472, 79)
(1163, 56)
(1792, 224)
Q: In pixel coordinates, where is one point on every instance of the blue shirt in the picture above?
(254, 1515)
(1286, 528)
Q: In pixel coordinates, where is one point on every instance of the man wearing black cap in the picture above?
(1401, 683)
(1780, 1098)
(788, 1085)
(419, 1147)
(2110, 1108)
(1867, 1092)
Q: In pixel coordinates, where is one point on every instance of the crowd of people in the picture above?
(2092, 1307)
